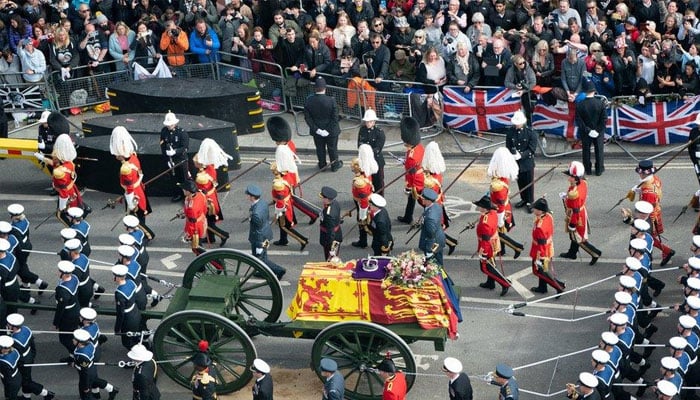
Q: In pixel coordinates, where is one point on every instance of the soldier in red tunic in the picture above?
(284, 209)
(542, 249)
(433, 169)
(576, 214)
(364, 166)
(394, 381)
(412, 163)
(208, 159)
(123, 147)
(489, 244)
(502, 169)
(195, 212)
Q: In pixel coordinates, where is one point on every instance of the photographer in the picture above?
(377, 62)
(228, 25)
(317, 58)
(521, 78)
(174, 43)
(204, 10)
(452, 37)
(689, 30)
(146, 53)
(280, 27)
(204, 42)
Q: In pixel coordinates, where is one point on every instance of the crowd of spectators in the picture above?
(626, 47)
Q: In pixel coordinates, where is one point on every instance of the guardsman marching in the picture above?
(128, 314)
(208, 159)
(195, 212)
(81, 271)
(131, 224)
(542, 249)
(374, 136)
(88, 321)
(412, 163)
(280, 132)
(587, 384)
(433, 169)
(394, 381)
(331, 234)
(123, 147)
(10, 361)
(504, 378)
(174, 142)
(203, 385)
(9, 287)
(489, 244)
(649, 190)
(89, 382)
(284, 210)
(145, 373)
(334, 384)
(574, 200)
(66, 318)
(380, 226)
(460, 388)
(126, 256)
(20, 230)
(363, 167)
(263, 387)
(432, 236)
(260, 233)
(81, 226)
(502, 169)
(24, 343)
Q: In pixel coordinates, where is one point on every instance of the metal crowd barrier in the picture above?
(85, 88)
(19, 96)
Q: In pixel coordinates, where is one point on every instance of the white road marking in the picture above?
(24, 198)
(169, 261)
(424, 365)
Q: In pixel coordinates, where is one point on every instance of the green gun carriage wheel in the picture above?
(230, 348)
(357, 346)
(260, 293)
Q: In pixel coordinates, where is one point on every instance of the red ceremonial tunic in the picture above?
(575, 204)
(206, 182)
(361, 190)
(63, 181)
(433, 181)
(499, 193)
(282, 196)
(651, 192)
(195, 209)
(130, 179)
(395, 387)
(542, 231)
(487, 234)
(414, 170)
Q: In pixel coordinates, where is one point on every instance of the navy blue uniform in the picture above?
(20, 230)
(431, 233)
(9, 289)
(85, 285)
(330, 227)
(87, 371)
(67, 315)
(134, 273)
(260, 232)
(83, 230)
(144, 381)
(128, 314)
(24, 343)
(96, 337)
(9, 371)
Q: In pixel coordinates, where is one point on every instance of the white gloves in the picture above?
(331, 253)
(280, 211)
(572, 228)
(258, 251)
(593, 134)
(501, 219)
(539, 264)
(401, 160)
(637, 190)
(39, 156)
(562, 195)
(130, 200)
(428, 255)
(697, 194)
(65, 73)
(697, 154)
(41, 145)
(322, 132)
(170, 152)
(363, 213)
(517, 155)
(407, 191)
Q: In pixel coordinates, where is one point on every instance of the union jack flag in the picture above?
(479, 110)
(657, 123)
(560, 121)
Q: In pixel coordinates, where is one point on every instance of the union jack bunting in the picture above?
(479, 110)
(657, 123)
(560, 121)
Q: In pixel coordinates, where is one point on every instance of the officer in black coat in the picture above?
(380, 226)
(321, 114)
(174, 142)
(260, 232)
(460, 388)
(262, 388)
(374, 136)
(24, 343)
(145, 374)
(10, 360)
(591, 117)
(331, 235)
(521, 141)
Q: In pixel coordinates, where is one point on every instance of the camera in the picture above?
(449, 40)
(175, 32)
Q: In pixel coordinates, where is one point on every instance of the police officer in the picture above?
(81, 227)
(374, 136)
(174, 142)
(503, 377)
(89, 382)
(432, 237)
(460, 388)
(591, 117)
(10, 360)
(203, 385)
(127, 313)
(380, 226)
(321, 115)
(260, 233)
(20, 230)
(263, 387)
(521, 141)
(331, 234)
(24, 343)
(394, 381)
(145, 374)
(412, 163)
(334, 384)
(66, 318)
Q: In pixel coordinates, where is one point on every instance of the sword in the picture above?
(692, 203)
(52, 214)
(113, 203)
(470, 225)
(348, 213)
(86, 159)
(314, 174)
(462, 172)
(235, 178)
(549, 171)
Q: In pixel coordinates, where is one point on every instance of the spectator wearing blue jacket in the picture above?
(204, 42)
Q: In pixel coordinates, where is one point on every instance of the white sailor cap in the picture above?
(120, 270)
(641, 225)
(588, 379)
(687, 322)
(130, 221)
(666, 388)
(66, 267)
(638, 244)
(4, 245)
(693, 302)
(68, 233)
(140, 353)
(600, 356)
(678, 342)
(126, 251)
(15, 319)
(127, 240)
(452, 364)
(5, 227)
(15, 209)
(623, 298)
(633, 263)
(693, 283)
(644, 207)
(81, 335)
(696, 240)
(73, 244)
(377, 199)
(76, 212)
(6, 342)
(609, 338)
(627, 282)
(694, 263)
(88, 313)
(260, 366)
(670, 363)
(619, 319)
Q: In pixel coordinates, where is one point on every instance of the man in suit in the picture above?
(330, 223)
(590, 119)
(460, 387)
(521, 141)
(380, 226)
(432, 237)
(321, 114)
(260, 232)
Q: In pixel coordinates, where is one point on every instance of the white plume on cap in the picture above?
(503, 165)
(284, 157)
(210, 153)
(64, 149)
(121, 143)
(365, 157)
(432, 159)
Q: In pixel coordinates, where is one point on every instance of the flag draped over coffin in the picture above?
(478, 110)
(657, 123)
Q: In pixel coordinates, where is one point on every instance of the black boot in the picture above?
(592, 250)
(489, 284)
(540, 288)
(573, 251)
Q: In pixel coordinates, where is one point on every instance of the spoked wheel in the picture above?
(357, 346)
(230, 348)
(260, 291)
